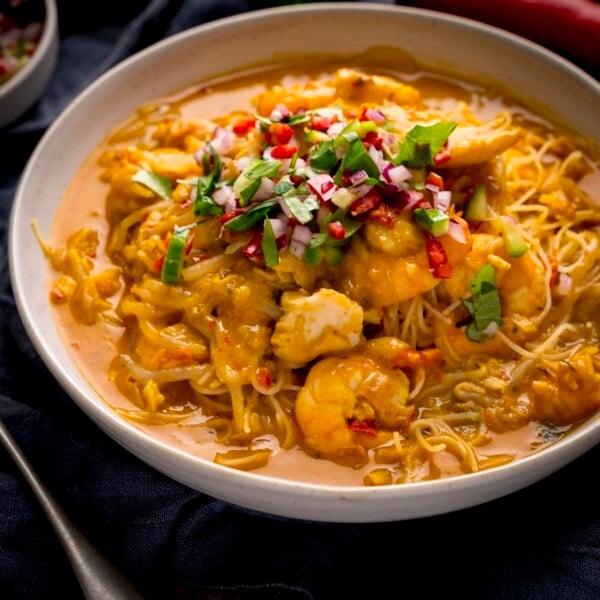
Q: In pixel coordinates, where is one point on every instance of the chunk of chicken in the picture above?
(354, 86)
(322, 323)
(569, 390)
(474, 144)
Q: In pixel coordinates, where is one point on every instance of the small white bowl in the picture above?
(439, 41)
(22, 90)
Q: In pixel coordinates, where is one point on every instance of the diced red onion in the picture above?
(223, 140)
(322, 185)
(442, 200)
(336, 128)
(297, 248)
(284, 207)
(265, 190)
(278, 226)
(565, 284)
(242, 163)
(224, 195)
(360, 190)
(456, 232)
(411, 198)
(372, 114)
(395, 173)
(358, 177)
(377, 156)
(302, 234)
(280, 112)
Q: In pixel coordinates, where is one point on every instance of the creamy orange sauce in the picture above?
(93, 347)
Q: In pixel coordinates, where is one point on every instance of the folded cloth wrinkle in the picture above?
(542, 543)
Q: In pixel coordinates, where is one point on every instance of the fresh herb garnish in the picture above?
(253, 216)
(485, 306)
(269, 245)
(422, 143)
(159, 184)
(204, 205)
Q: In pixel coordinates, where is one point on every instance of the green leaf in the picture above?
(251, 217)
(422, 143)
(249, 180)
(269, 245)
(301, 210)
(205, 206)
(160, 185)
(358, 159)
(485, 306)
(323, 157)
(282, 187)
(263, 168)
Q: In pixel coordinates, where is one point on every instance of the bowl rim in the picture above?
(579, 441)
(49, 31)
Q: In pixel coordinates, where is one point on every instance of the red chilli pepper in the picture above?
(253, 249)
(336, 230)
(280, 133)
(435, 179)
(373, 139)
(243, 125)
(438, 260)
(362, 427)
(231, 214)
(369, 201)
(283, 151)
(321, 123)
(441, 157)
(571, 26)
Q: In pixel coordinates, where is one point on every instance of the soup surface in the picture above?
(348, 276)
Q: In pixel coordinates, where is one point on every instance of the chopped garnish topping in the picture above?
(160, 185)
(485, 306)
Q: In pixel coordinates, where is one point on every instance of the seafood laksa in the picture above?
(354, 276)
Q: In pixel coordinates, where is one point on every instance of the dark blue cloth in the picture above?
(542, 543)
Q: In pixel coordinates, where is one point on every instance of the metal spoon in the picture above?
(98, 578)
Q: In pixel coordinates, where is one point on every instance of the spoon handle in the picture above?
(97, 577)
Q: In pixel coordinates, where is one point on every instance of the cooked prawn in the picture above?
(349, 404)
(388, 265)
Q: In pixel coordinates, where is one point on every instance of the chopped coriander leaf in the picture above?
(350, 225)
(358, 159)
(263, 168)
(205, 206)
(249, 180)
(422, 143)
(282, 187)
(251, 217)
(485, 306)
(298, 119)
(160, 185)
(302, 210)
(323, 157)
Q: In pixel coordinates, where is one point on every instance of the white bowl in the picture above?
(22, 90)
(436, 40)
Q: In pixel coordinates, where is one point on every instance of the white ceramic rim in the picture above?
(46, 41)
(288, 498)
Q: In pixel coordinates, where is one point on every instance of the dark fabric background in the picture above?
(542, 543)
